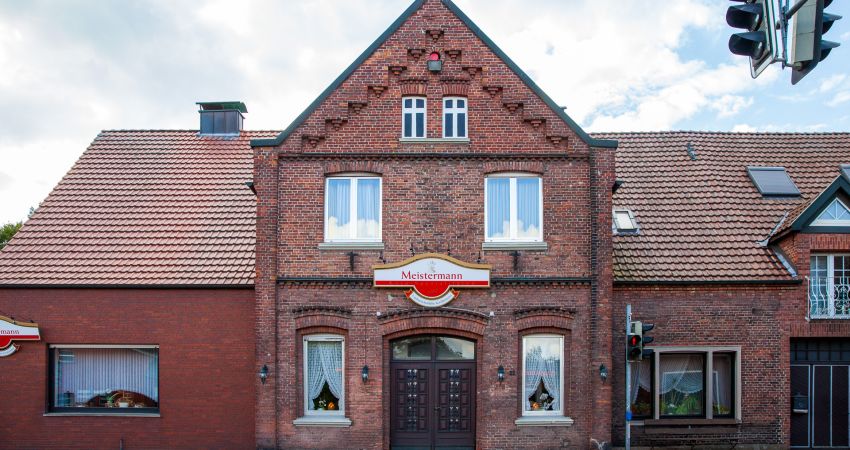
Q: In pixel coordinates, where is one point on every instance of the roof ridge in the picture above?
(742, 133)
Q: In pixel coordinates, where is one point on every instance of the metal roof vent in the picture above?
(773, 182)
(221, 118)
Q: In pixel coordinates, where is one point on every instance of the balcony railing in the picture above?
(829, 298)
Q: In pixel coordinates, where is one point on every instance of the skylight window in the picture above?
(624, 222)
(836, 214)
(773, 182)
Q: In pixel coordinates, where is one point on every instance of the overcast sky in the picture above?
(71, 68)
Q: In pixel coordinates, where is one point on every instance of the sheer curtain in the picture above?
(324, 365)
(88, 372)
(528, 207)
(722, 378)
(368, 208)
(640, 378)
(339, 208)
(540, 368)
(498, 207)
(681, 373)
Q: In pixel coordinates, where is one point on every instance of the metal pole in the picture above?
(628, 381)
(793, 10)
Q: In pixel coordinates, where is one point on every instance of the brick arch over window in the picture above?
(536, 167)
(467, 324)
(550, 319)
(336, 167)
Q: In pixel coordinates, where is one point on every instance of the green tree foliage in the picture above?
(7, 231)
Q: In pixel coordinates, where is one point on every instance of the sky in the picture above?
(71, 68)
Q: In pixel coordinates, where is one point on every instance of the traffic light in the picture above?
(807, 48)
(636, 339)
(759, 42)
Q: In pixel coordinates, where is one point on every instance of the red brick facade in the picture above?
(206, 367)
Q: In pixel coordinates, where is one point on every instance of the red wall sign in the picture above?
(12, 330)
(433, 279)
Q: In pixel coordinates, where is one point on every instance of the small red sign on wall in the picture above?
(433, 279)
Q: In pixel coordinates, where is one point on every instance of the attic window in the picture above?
(624, 222)
(773, 182)
(836, 214)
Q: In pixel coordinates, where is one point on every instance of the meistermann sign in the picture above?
(433, 278)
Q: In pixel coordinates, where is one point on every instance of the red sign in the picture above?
(12, 330)
(432, 278)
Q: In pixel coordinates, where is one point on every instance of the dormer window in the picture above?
(836, 214)
(624, 222)
(413, 117)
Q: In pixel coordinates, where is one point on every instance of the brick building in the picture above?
(432, 255)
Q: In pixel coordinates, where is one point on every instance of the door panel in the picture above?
(411, 400)
(799, 419)
(455, 397)
(839, 406)
(820, 406)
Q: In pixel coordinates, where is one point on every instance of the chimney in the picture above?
(221, 118)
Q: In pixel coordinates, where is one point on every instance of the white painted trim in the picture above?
(544, 421)
(321, 418)
(544, 416)
(328, 422)
(513, 210)
(352, 211)
(455, 110)
(413, 111)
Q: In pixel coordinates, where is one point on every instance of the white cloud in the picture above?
(744, 128)
(841, 97)
(831, 82)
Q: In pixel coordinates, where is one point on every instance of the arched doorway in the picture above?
(432, 393)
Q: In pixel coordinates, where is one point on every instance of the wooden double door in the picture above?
(820, 393)
(433, 399)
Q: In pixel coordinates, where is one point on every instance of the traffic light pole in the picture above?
(628, 381)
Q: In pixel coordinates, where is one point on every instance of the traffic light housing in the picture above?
(759, 42)
(807, 46)
(636, 340)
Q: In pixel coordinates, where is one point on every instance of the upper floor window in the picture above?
(513, 208)
(413, 117)
(829, 286)
(353, 208)
(836, 214)
(454, 117)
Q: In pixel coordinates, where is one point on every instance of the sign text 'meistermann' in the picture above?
(408, 275)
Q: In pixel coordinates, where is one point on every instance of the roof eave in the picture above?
(590, 141)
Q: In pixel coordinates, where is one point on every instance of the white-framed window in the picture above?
(104, 378)
(625, 222)
(324, 375)
(414, 118)
(543, 375)
(353, 208)
(829, 286)
(673, 384)
(513, 208)
(454, 117)
(835, 215)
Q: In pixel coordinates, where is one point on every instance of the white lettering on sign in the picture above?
(12, 330)
(432, 279)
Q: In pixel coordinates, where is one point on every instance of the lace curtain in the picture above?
(88, 372)
(324, 365)
(640, 378)
(540, 369)
(681, 373)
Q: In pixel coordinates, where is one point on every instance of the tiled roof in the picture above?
(703, 219)
(144, 208)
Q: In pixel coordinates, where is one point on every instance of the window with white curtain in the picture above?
(324, 375)
(413, 117)
(542, 375)
(454, 117)
(513, 209)
(673, 383)
(353, 208)
(115, 379)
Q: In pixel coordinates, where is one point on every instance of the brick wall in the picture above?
(206, 367)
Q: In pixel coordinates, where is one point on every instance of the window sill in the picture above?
(689, 422)
(317, 421)
(94, 414)
(351, 246)
(544, 421)
(530, 246)
(434, 140)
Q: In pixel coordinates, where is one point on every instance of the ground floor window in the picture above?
(324, 367)
(107, 378)
(543, 375)
(693, 382)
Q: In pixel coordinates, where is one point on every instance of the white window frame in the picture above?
(513, 214)
(634, 226)
(455, 110)
(322, 338)
(353, 207)
(708, 387)
(414, 110)
(831, 223)
(563, 400)
(830, 283)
